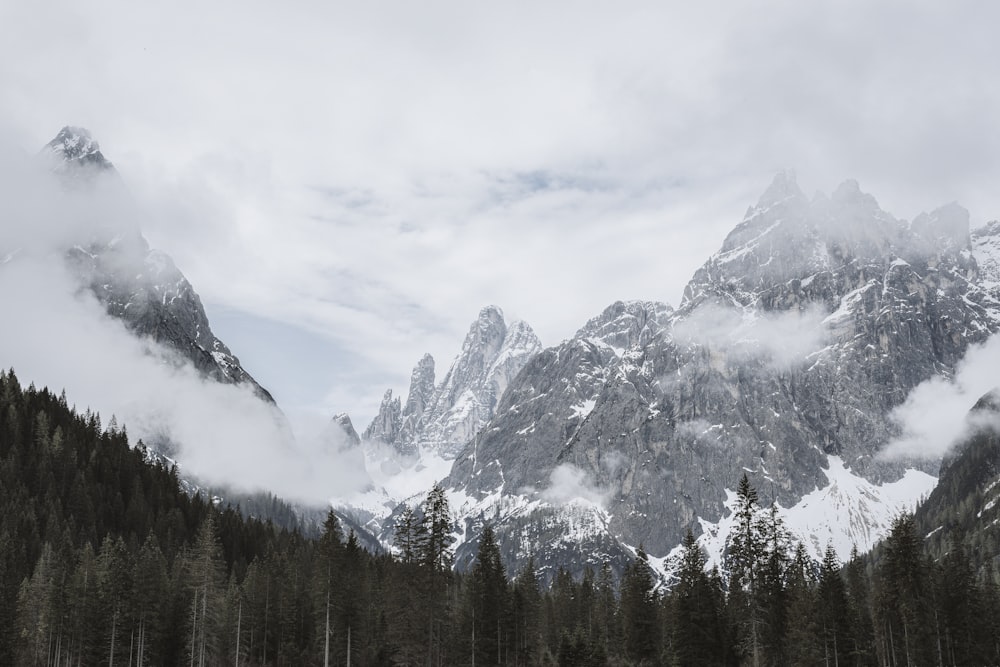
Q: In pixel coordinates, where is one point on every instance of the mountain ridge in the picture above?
(792, 344)
(138, 285)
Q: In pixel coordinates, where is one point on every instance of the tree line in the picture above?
(105, 560)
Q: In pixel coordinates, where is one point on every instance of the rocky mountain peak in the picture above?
(75, 146)
(442, 418)
(385, 427)
(343, 422)
(850, 200)
(487, 331)
(420, 396)
(625, 324)
(948, 224)
(811, 324)
(782, 188)
(136, 284)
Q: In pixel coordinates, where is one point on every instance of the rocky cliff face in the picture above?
(792, 344)
(443, 418)
(964, 508)
(136, 284)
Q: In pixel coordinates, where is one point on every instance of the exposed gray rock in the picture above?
(795, 341)
(385, 427)
(74, 151)
(343, 422)
(137, 285)
(418, 399)
(444, 418)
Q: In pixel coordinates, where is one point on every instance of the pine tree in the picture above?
(862, 649)
(114, 580)
(959, 609)
(434, 549)
(696, 637)
(488, 602)
(434, 554)
(744, 560)
(329, 556)
(407, 535)
(902, 599)
(205, 581)
(772, 593)
(639, 608)
(834, 617)
(151, 588)
(804, 638)
(527, 601)
(35, 620)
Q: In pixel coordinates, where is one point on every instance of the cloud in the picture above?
(782, 339)
(563, 154)
(568, 483)
(58, 335)
(935, 415)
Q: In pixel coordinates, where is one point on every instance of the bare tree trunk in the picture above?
(142, 640)
(204, 617)
(937, 632)
(239, 619)
(756, 652)
(194, 624)
(906, 643)
(892, 643)
(267, 602)
(114, 627)
(326, 635)
(826, 648)
(348, 646)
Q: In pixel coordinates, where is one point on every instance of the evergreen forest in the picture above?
(105, 559)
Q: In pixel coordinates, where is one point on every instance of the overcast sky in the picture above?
(347, 184)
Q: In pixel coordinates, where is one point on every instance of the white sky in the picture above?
(347, 184)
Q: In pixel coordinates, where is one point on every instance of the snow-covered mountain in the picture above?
(791, 347)
(442, 418)
(136, 284)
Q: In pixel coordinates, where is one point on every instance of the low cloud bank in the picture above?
(935, 416)
(783, 339)
(568, 483)
(56, 334)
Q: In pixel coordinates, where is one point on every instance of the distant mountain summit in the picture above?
(136, 284)
(790, 348)
(442, 418)
(74, 147)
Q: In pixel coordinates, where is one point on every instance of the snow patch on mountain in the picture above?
(849, 511)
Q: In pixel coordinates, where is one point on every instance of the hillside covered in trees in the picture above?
(106, 560)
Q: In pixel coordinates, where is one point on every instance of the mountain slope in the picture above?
(443, 418)
(792, 345)
(965, 505)
(140, 286)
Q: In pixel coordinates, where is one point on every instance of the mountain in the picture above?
(442, 418)
(74, 153)
(791, 347)
(136, 284)
(964, 507)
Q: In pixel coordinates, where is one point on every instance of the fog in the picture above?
(781, 339)
(56, 334)
(568, 483)
(935, 416)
